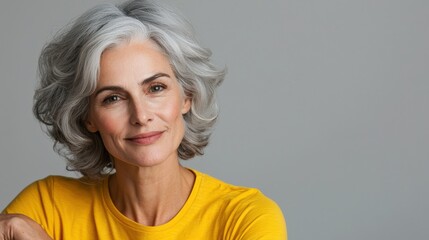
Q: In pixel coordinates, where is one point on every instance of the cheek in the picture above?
(172, 112)
(109, 123)
(109, 127)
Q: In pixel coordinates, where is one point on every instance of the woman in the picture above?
(125, 93)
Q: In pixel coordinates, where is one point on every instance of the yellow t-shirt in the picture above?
(81, 209)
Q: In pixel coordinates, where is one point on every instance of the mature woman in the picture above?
(125, 93)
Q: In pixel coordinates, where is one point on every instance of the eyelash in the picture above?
(110, 100)
(154, 88)
(160, 87)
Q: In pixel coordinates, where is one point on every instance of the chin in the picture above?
(150, 160)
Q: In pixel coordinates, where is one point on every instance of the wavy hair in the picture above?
(69, 67)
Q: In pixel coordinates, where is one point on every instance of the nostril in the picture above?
(139, 114)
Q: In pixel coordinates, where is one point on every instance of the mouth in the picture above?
(145, 138)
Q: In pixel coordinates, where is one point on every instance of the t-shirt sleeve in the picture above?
(35, 201)
(259, 218)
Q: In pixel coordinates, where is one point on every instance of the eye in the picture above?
(111, 99)
(156, 88)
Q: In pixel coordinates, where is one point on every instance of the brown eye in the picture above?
(111, 99)
(156, 88)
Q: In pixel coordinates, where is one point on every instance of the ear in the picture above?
(186, 105)
(90, 126)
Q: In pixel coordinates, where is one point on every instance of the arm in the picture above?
(257, 218)
(29, 213)
(20, 227)
(266, 223)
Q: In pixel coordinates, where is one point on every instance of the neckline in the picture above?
(107, 200)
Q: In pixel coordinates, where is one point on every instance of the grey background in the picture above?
(325, 107)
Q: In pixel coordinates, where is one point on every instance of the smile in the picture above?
(146, 138)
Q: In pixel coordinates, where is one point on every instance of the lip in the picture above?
(145, 138)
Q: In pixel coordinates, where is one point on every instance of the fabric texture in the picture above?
(69, 208)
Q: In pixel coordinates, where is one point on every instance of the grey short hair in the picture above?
(69, 67)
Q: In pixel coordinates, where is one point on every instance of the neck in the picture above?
(151, 195)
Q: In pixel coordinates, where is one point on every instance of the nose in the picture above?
(140, 113)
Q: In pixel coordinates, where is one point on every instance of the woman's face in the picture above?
(138, 105)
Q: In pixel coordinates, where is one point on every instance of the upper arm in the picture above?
(35, 202)
(258, 218)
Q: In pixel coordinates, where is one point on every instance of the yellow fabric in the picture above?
(73, 209)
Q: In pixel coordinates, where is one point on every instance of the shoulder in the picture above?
(245, 210)
(233, 194)
(55, 199)
(73, 185)
(49, 190)
(53, 184)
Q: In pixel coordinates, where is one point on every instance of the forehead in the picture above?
(135, 57)
(132, 47)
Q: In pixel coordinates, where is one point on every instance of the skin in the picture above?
(20, 227)
(138, 109)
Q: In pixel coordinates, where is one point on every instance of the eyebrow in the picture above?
(145, 81)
